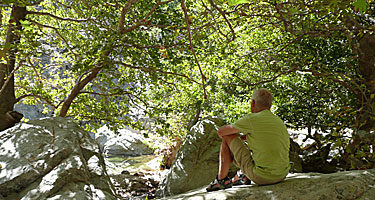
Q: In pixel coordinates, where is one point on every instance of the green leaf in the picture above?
(293, 10)
(360, 6)
(235, 2)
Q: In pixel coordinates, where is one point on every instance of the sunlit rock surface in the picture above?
(358, 184)
(51, 158)
(197, 161)
(127, 142)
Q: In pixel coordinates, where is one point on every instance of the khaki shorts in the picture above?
(242, 159)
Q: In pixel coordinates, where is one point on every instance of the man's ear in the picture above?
(252, 102)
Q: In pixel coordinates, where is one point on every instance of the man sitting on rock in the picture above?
(265, 158)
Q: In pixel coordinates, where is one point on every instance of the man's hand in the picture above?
(243, 137)
(227, 130)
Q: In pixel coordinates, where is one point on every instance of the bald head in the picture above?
(262, 98)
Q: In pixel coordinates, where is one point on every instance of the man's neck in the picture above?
(260, 109)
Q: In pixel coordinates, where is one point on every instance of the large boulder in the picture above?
(197, 161)
(359, 184)
(127, 142)
(51, 158)
(294, 157)
(31, 111)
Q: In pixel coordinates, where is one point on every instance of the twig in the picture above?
(266, 81)
(145, 20)
(106, 95)
(53, 137)
(149, 46)
(226, 20)
(57, 17)
(214, 22)
(30, 63)
(155, 70)
(183, 6)
(277, 6)
(36, 96)
(57, 32)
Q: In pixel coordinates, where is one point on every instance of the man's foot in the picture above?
(219, 184)
(240, 179)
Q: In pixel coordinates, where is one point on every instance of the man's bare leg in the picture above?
(225, 156)
(225, 160)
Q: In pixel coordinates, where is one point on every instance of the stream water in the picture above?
(135, 177)
(117, 164)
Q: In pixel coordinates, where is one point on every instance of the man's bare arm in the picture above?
(227, 130)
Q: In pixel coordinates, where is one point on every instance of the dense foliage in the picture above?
(117, 62)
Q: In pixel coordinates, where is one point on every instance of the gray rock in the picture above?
(127, 142)
(359, 184)
(294, 157)
(51, 158)
(103, 135)
(30, 111)
(197, 161)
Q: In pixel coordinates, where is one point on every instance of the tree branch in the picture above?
(226, 20)
(183, 6)
(266, 81)
(106, 95)
(313, 72)
(144, 21)
(57, 17)
(9, 77)
(77, 89)
(36, 96)
(149, 46)
(57, 32)
(285, 22)
(148, 69)
(214, 22)
(124, 11)
(31, 64)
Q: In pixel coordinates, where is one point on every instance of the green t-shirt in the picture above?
(268, 139)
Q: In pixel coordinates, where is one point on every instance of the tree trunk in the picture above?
(7, 96)
(366, 53)
(365, 48)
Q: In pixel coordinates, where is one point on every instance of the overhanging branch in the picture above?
(183, 6)
(143, 21)
(148, 69)
(57, 32)
(57, 17)
(225, 18)
(36, 96)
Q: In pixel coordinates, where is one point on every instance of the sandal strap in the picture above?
(242, 181)
(221, 182)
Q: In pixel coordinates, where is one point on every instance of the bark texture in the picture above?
(7, 96)
(366, 53)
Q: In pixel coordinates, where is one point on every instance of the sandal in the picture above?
(243, 179)
(219, 184)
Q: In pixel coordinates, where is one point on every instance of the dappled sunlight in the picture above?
(117, 164)
(271, 195)
(9, 174)
(46, 188)
(9, 148)
(302, 175)
(43, 160)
